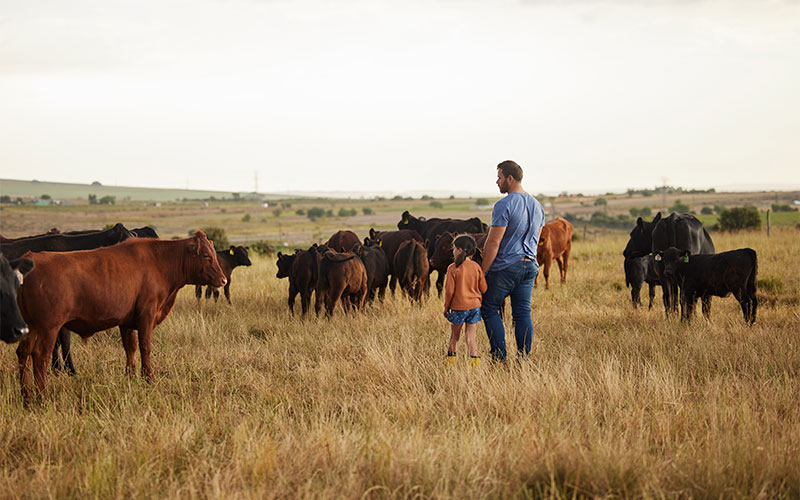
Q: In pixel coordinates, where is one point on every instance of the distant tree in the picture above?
(367, 211)
(286, 205)
(328, 213)
(95, 184)
(343, 212)
(46, 197)
(5, 199)
(482, 202)
(92, 199)
(634, 212)
(706, 210)
(734, 219)
(246, 218)
(452, 197)
(600, 202)
(300, 211)
(277, 212)
(425, 197)
(782, 208)
(315, 213)
(236, 196)
(436, 204)
(397, 197)
(718, 209)
(679, 207)
(645, 212)
(107, 200)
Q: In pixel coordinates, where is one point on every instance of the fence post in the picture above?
(768, 223)
(584, 232)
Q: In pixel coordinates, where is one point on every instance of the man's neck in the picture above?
(516, 188)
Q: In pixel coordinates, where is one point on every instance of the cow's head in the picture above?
(373, 234)
(119, 233)
(408, 221)
(670, 260)
(204, 265)
(240, 255)
(145, 232)
(12, 326)
(285, 265)
(442, 250)
(641, 238)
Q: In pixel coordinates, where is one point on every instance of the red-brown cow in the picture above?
(411, 265)
(132, 285)
(341, 275)
(555, 242)
(342, 241)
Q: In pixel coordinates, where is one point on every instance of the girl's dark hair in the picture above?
(466, 243)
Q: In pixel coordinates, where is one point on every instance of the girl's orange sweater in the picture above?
(464, 286)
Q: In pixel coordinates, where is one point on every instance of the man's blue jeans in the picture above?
(515, 281)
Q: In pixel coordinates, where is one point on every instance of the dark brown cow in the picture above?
(302, 269)
(132, 285)
(555, 243)
(53, 230)
(66, 242)
(341, 276)
(342, 241)
(228, 260)
(374, 260)
(443, 249)
(389, 242)
(411, 265)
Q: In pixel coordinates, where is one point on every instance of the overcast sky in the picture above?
(405, 95)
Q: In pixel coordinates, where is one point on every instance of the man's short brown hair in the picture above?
(511, 168)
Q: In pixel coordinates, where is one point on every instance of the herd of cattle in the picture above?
(89, 281)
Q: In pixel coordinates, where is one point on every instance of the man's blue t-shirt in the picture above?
(523, 217)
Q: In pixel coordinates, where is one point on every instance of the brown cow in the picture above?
(132, 285)
(555, 242)
(342, 241)
(411, 266)
(301, 268)
(389, 242)
(341, 275)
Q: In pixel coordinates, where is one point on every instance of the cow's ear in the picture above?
(657, 217)
(640, 224)
(24, 266)
(686, 256)
(279, 255)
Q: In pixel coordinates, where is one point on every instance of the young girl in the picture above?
(462, 298)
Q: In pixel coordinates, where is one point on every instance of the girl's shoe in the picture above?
(474, 361)
(451, 359)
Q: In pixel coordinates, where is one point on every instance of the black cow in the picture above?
(377, 266)
(228, 260)
(429, 229)
(12, 326)
(715, 274)
(641, 270)
(389, 242)
(66, 242)
(684, 232)
(302, 269)
(145, 232)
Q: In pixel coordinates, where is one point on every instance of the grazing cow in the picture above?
(411, 265)
(429, 229)
(228, 260)
(144, 232)
(704, 275)
(12, 326)
(641, 270)
(341, 276)
(389, 242)
(302, 269)
(684, 232)
(342, 241)
(443, 249)
(66, 242)
(377, 267)
(132, 285)
(555, 243)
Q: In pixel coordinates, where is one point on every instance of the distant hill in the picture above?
(65, 191)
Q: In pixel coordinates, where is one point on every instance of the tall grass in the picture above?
(250, 402)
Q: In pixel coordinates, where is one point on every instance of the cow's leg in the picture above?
(334, 295)
(65, 339)
(24, 349)
(129, 342)
(292, 294)
(42, 353)
(55, 364)
(652, 294)
(145, 346)
(216, 295)
(665, 287)
(674, 294)
(361, 297)
(561, 275)
(440, 282)
(706, 306)
(305, 300)
(198, 291)
(753, 306)
(382, 291)
(636, 289)
(393, 284)
(319, 298)
(565, 258)
(209, 291)
(227, 291)
(547, 264)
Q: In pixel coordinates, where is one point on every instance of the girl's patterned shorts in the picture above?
(470, 316)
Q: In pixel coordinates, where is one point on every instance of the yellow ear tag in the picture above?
(541, 243)
(405, 221)
(231, 251)
(380, 244)
(685, 259)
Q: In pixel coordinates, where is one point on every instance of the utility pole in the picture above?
(664, 194)
(255, 181)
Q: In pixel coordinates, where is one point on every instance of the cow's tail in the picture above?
(409, 267)
(752, 280)
(671, 232)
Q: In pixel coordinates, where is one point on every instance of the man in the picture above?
(509, 261)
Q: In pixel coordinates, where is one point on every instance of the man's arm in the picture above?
(491, 246)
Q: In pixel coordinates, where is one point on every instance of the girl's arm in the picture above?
(449, 287)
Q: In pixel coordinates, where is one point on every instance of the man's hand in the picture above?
(491, 246)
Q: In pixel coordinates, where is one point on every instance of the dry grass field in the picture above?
(251, 402)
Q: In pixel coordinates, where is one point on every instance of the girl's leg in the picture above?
(455, 334)
(469, 333)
